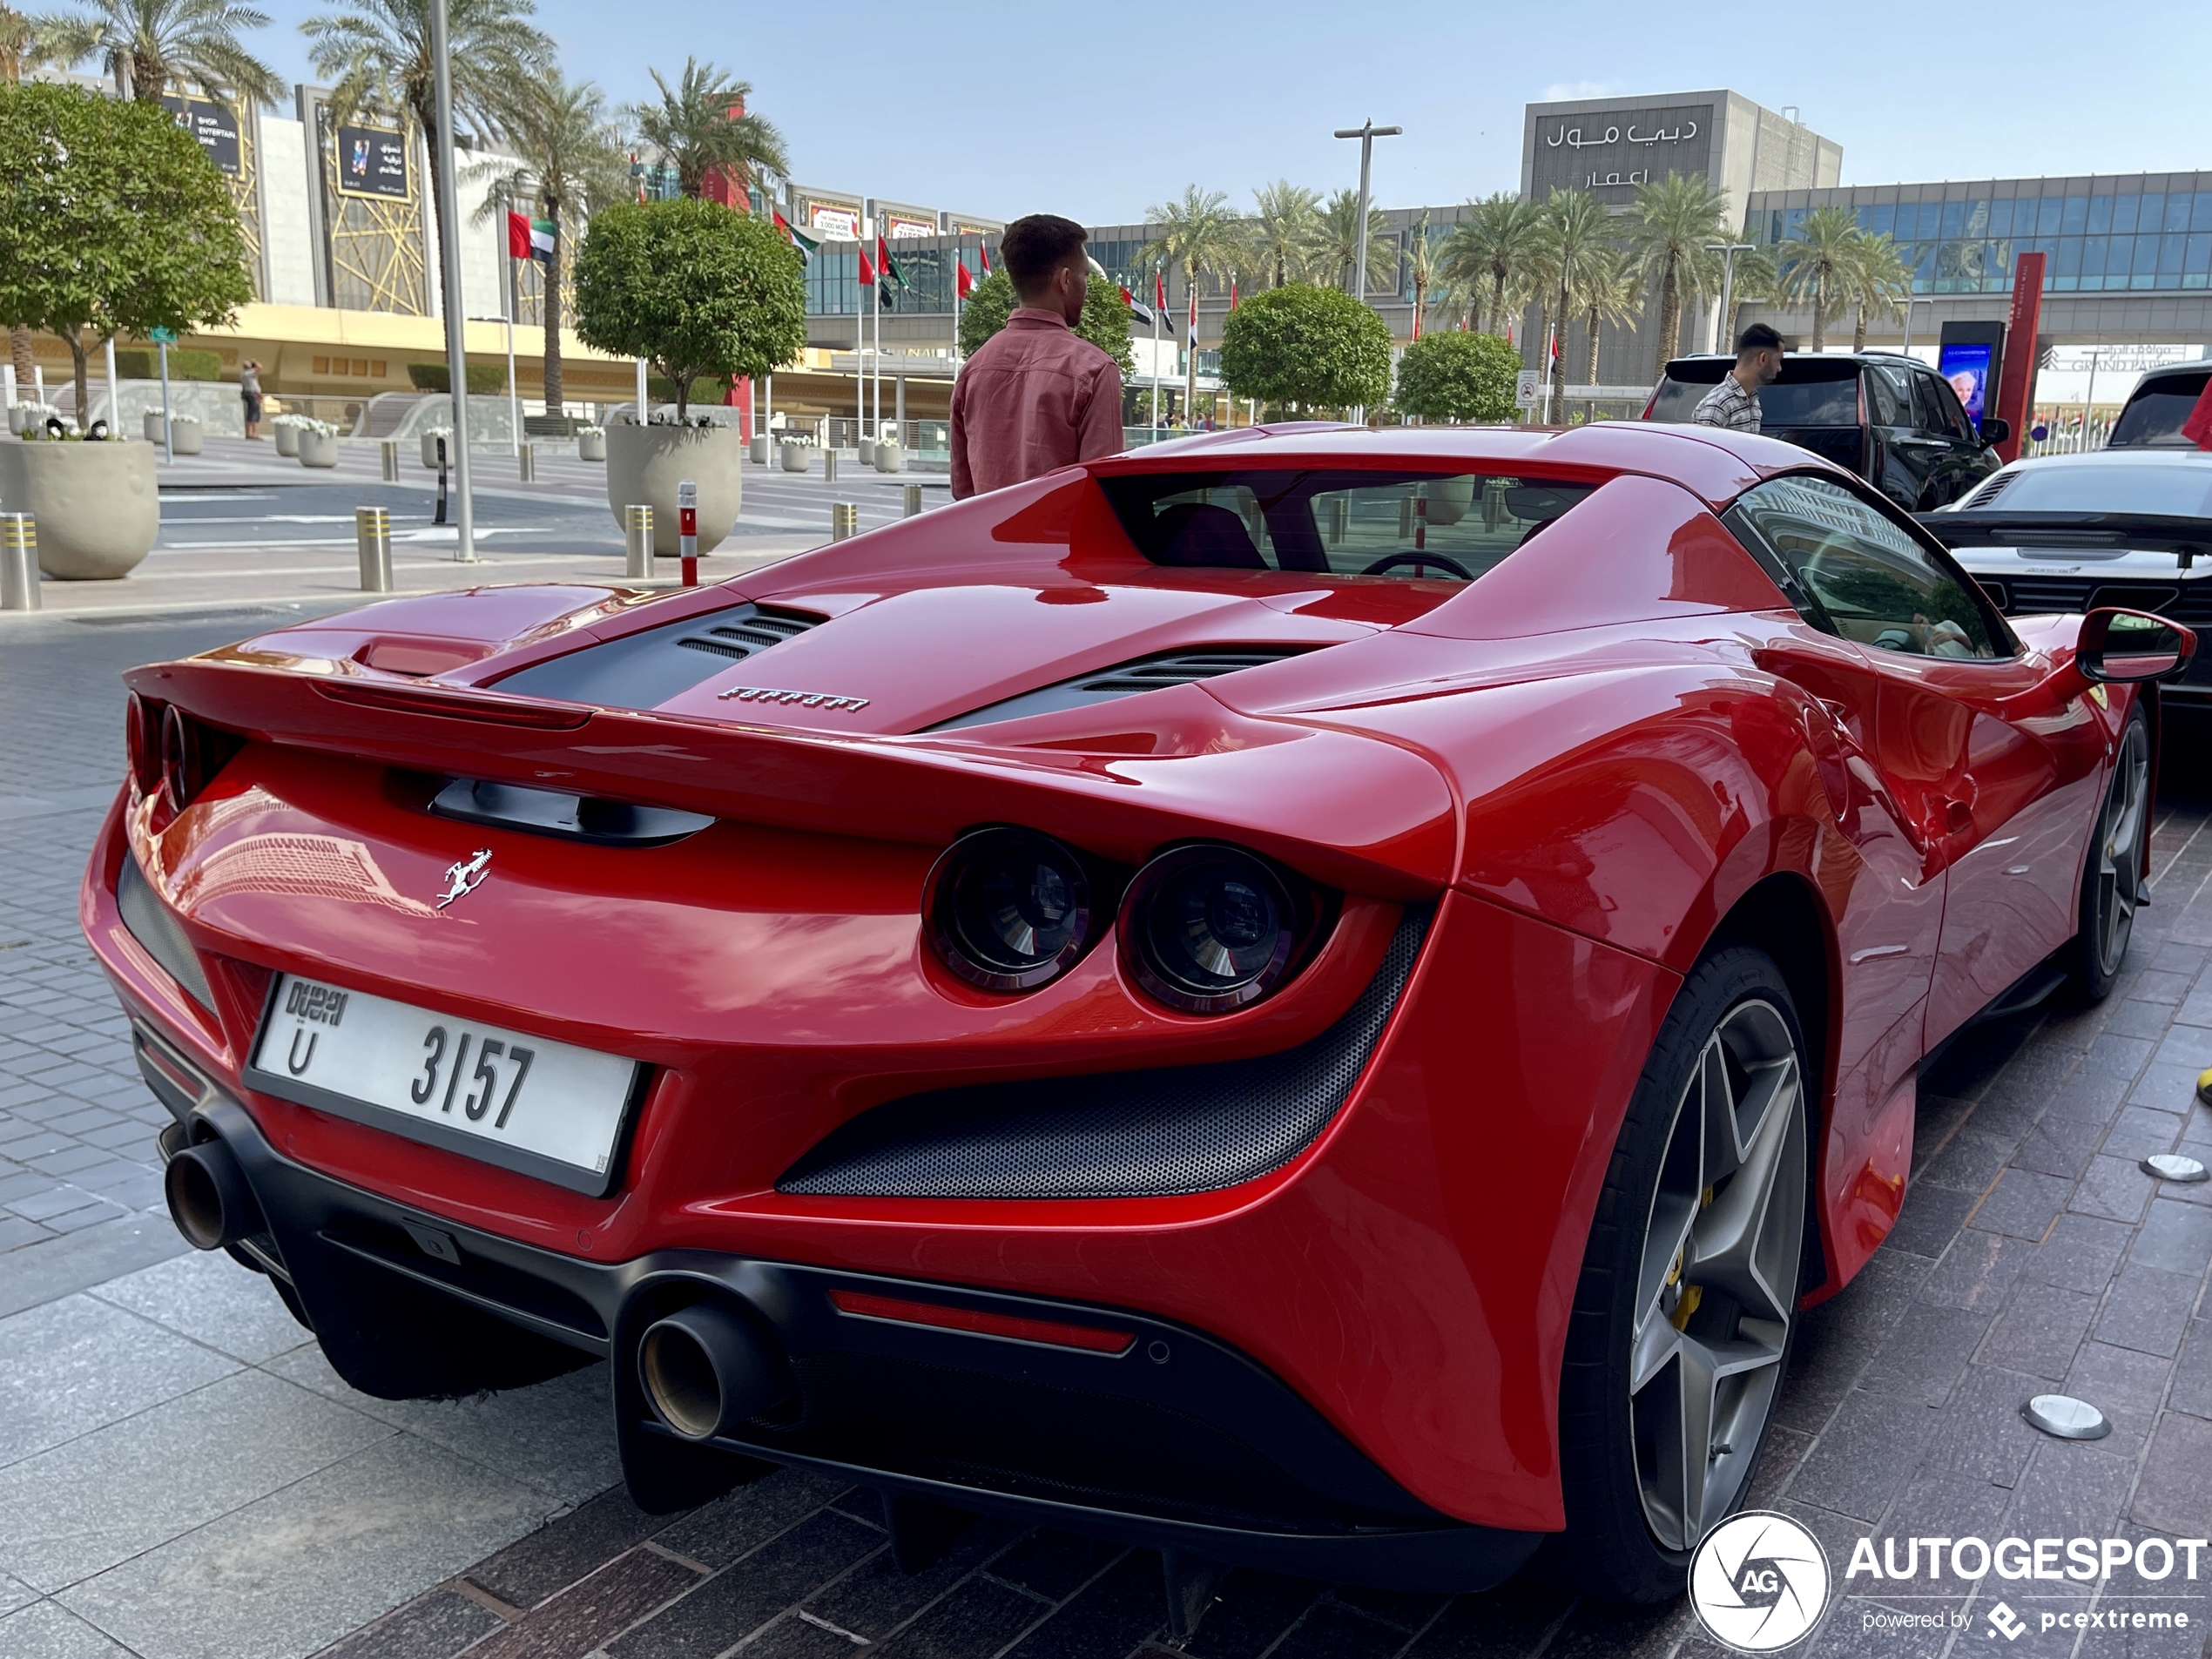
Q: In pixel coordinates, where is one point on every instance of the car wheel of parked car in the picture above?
(2112, 880)
(1688, 1299)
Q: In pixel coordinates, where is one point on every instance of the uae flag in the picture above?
(1232, 292)
(868, 276)
(1142, 312)
(1159, 288)
(963, 284)
(983, 252)
(2198, 428)
(530, 239)
(1194, 316)
(805, 245)
(890, 272)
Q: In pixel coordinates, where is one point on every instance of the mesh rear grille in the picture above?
(1121, 1135)
(764, 627)
(643, 669)
(1990, 490)
(1126, 679)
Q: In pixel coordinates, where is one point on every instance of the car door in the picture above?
(1896, 466)
(1997, 795)
(1956, 454)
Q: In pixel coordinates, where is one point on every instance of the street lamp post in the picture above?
(1728, 250)
(449, 260)
(1367, 133)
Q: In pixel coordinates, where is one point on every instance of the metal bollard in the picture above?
(638, 543)
(913, 500)
(526, 462)
(391, 449)
(687, 530)
(829, 465)
(845, 520)
(372, 542)
(18, 562)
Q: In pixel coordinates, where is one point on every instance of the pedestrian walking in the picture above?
(249, 393)
(1735, 402)
(1037, 396)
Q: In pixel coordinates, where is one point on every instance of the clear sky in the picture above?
(1097, 111)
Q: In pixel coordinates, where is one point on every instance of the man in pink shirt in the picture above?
(1037, 396)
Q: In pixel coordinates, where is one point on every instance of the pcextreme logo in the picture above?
(1759, 1582)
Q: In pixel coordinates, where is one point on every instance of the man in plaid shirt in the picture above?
(1735, 402)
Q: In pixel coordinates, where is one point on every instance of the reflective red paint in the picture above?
(1585, 761)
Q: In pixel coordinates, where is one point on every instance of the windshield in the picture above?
(1345, 523)
(2180, 488)
(1786, 404)
(2155, 413)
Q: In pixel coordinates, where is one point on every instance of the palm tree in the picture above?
(1203, 234)
(1818, 263)
(153, 46)
(1670, 225)
(378, 57)
(1491, 252)
(1340, 238)
(1574, 245)
(1284, 232)
(1755, 279)
(1609, 294)
(567, 157)
(694, 130)
(1882, 282)
(1420, 266)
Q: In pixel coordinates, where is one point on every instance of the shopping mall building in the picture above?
(347, 292)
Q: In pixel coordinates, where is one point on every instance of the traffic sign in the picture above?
(1524, 387)
(162, 336)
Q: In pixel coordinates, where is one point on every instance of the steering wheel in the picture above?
(1391, 560)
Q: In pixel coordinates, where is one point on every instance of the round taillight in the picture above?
(180, 779)
(1009, 909)
(142, 742)
(1207, 929)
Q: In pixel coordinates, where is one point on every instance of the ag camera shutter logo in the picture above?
(1758, 1582)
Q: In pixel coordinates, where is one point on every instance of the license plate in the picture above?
(545, 1109)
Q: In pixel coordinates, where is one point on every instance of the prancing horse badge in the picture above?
(465, 876)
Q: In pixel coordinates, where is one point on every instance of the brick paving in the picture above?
(162, 1426)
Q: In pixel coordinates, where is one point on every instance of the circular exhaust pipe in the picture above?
(208, 1197)
(708, 1369)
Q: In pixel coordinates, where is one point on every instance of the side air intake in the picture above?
(1126, 679)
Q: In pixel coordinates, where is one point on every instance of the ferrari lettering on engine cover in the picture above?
(802, 699)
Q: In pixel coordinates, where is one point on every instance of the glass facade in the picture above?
(2152, 232)
(834, 277)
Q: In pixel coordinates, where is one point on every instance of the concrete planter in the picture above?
(287, 440)
(186, 436)
(864, 452)
(97, 504)
(889, 457)
(318, 448)
(760, 449)
(794, 456)
(590, 446)
(645, 463)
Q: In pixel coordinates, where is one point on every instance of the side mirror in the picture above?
(2123, 646)
(1995, 430)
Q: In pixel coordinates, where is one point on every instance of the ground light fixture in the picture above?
(2172, 1166)
(2065, 1417)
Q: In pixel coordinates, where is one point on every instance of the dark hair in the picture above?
(1758, 337)
(1035, 246)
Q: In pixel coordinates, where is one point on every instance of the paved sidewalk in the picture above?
(182, 1477)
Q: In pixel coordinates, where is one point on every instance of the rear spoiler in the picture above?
(2187, 538)
(1367, 816)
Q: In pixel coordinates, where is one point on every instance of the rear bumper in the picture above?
(1177, 1442)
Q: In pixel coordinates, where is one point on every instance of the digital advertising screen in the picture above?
(1967, 369)
(372, 162)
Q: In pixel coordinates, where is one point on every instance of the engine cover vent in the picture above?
(1126, 679)
(644, 670)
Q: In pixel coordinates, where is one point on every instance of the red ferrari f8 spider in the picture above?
(1307, 997)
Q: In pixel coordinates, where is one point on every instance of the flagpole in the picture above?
(1159, 294)
(875, 340)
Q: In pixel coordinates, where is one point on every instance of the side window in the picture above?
(1886, 398)
(1940, 410)
(1857, 575)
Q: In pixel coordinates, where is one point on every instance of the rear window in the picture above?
(2179, 488)
(1342, 524)
(1809, 394)
(2155, 413)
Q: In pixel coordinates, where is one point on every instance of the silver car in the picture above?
(2118, 527)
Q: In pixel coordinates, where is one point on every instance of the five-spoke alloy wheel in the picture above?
(2112, 883)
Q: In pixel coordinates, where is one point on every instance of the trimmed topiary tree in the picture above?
(1458, 377)
(697, 290)
(1302, 344)
(1105, 319)
(112, 220)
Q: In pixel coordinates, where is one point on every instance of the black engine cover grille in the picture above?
(1120, 1134)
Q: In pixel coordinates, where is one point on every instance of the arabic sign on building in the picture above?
(213, 125)
(897, 224)
(836, 219)
(1610, 155)
(372, 162)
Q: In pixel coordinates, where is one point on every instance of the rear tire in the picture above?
(2113, 887)
(1686, 1304)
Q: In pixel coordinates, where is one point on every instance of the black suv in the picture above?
(2151, 417)
(1891, 419)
